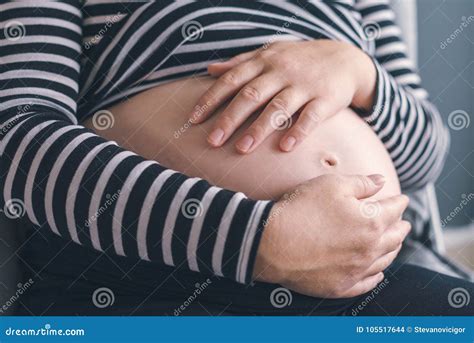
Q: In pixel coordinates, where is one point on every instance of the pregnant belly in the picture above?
(154, 124)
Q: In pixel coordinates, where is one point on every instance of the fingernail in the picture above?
(288, 143)
(216, 136)
(245, 143)
(377, 179)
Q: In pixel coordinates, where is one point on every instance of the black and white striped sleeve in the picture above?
(90, 190)
(405, 120)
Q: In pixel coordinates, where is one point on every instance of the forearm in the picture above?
(411, 130)
(91, 191)
(402, 116)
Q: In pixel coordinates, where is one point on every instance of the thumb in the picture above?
(362, 187)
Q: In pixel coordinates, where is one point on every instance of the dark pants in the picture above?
(78, 281)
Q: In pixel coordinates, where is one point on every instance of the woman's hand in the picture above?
(322, 241)
(313, 78)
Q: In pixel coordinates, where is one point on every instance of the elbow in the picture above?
(441, 151)
(431, 165)
(441, 139)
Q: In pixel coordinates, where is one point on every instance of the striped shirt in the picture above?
(61, 62)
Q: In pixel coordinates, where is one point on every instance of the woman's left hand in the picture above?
(318, 77)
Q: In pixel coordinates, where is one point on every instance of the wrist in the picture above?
(266, 268)
(366, 74)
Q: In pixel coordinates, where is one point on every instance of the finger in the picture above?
(313, 113)
(363, 286)
(383, 262)
(218, 68)
(362, 187)
(390, 210)
(394, 236)
(276, 116)
(224, 87)
(244, 104)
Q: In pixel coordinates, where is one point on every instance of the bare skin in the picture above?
(321, 243)
(324, 78)
(154, 125)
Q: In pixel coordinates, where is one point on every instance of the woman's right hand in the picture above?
(326, 240)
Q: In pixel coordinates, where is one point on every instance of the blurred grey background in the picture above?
(446, 65)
